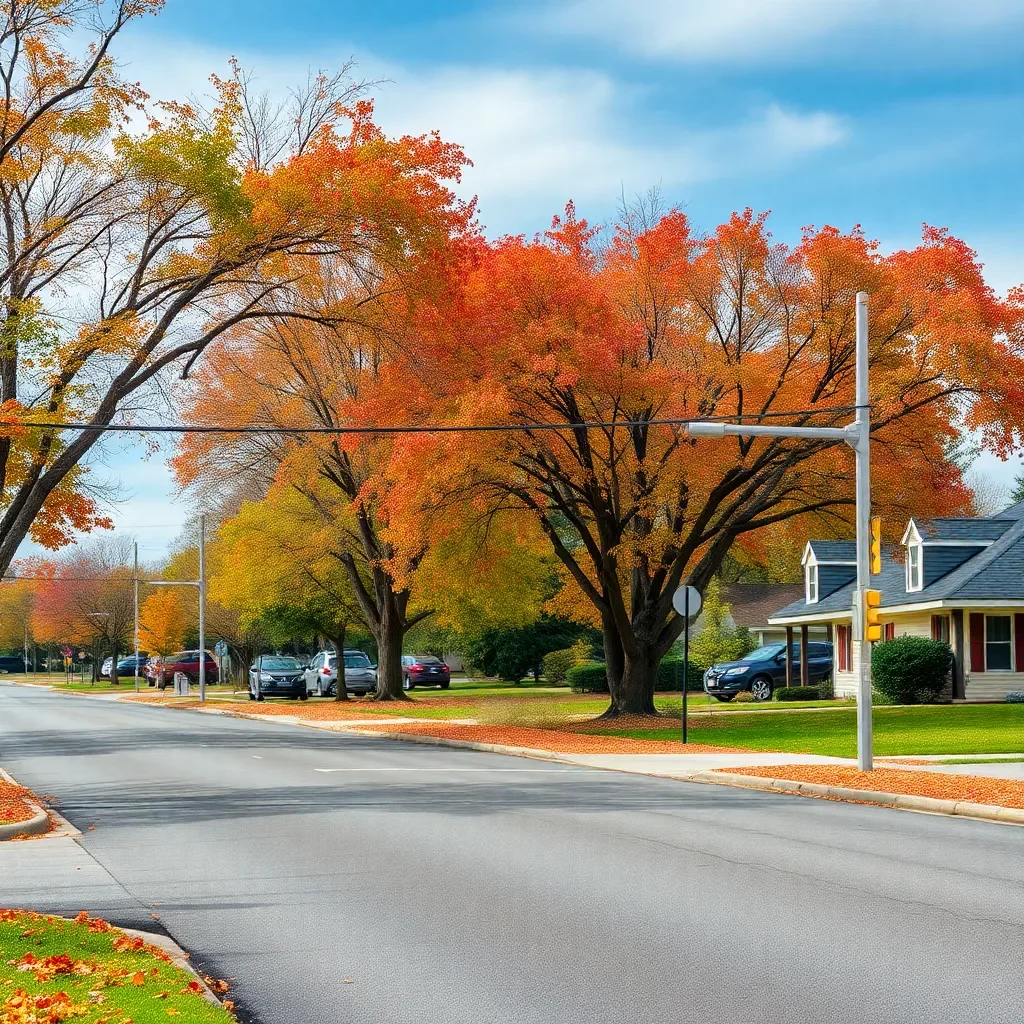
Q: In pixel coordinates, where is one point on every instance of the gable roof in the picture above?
(995, 572)
(834, 550)
(966, 530)
(753, 603)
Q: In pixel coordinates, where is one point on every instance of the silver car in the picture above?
(322, 674)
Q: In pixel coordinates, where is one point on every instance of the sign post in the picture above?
(687, 602)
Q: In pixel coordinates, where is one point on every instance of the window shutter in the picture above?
(936, 635)
(890, 630)
(1018, 642)
(977, 624)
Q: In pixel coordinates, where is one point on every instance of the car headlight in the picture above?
(737, 671)
(266, 677)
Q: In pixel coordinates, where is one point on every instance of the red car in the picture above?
(423, 670)
(160, 671)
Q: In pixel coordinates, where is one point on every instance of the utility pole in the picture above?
(26, 651)
(862, 454)
(136, 580)
(202, 609)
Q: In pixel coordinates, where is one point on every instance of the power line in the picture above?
(432, 428)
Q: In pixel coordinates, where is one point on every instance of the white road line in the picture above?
(550, 771)
(256, 757)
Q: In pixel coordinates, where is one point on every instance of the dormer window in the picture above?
(915, 557)
(812, 583)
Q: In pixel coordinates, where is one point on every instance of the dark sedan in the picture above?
(272, 675)
(422, 670)
(763, 670)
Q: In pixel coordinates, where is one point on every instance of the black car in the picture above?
(763, 670)
(275, 675)
(11, 663)
(126, 666)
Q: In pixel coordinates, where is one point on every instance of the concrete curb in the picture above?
(181, 959)
(34, 826)
(60, 826)
(901, 801)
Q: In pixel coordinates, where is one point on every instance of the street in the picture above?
(337, 879)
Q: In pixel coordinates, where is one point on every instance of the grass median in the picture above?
(53, 969)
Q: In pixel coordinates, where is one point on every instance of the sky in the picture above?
(889, 114)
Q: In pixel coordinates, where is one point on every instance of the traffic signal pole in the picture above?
(858, 436)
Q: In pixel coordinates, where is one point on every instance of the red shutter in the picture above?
(1018, 642)
(840, 649)
(890, 630)
(977, 625)
(936, 627)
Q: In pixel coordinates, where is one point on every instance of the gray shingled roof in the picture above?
(834, 550)
(962, 529)
(996, 572)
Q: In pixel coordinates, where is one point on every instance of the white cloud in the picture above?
(741, 30)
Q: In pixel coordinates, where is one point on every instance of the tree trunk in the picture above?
(635, 694)
(341, 689)
(614, 659)
(389, 633)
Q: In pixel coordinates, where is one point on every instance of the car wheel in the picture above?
(761, 688)
(724, 698)
(303, 695)
(252, 696)
(259, 696)
(444, 686)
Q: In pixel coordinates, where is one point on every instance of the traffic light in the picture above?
(872, 615)
(876, 545)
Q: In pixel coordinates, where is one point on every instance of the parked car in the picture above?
(423, 670)
(274, 675)
(126, 666)
(763, 670)
(11, 663)
(322, 674)
(163, 669)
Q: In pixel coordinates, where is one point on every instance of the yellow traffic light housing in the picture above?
(876, 545)
(872, 615)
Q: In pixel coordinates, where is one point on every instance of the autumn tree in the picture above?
(162, 620)
(16, 600)
(167, 238)
(663, 325)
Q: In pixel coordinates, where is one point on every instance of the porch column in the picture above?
(828, 633)
(805, 672)
(959, 691)
(789, 655)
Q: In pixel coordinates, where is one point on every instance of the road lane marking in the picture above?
(549, 771)
(256, 757)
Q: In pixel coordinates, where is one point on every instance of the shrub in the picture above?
(670, 676)
(797, 693)
(744, 697)
(911, 669)
(556, 664)
(1015, 697)
(589, 678)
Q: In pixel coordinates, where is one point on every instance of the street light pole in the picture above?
(136, 580)
(862, 455)
(202, 609)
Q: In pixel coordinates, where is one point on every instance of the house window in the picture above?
(812, 583)
(914, 557)
(998, 657)
(889, 631)
(843, 653)
(940, 628)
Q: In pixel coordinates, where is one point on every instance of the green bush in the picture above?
(670, 676)
(556, 664)
(910, 669)
(1015, 697)
(589, 678)
(797, 693)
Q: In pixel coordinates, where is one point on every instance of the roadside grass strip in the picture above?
(551, 741)
(13, 806)
(86, 971)
(934, 785)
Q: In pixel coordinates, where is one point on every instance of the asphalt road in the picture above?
(456, 886)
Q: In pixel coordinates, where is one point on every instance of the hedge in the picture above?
(1015, 697)
(592, 678)
(911, 669)
(797, 693)
(556, 664)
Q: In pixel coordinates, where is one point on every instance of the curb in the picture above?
(181, 959)
(901, 801)
(34, 826)
(58, 825)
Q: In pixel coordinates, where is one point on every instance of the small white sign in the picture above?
(680, 603)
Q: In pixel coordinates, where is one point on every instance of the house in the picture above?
(751, 605)
(958, 580)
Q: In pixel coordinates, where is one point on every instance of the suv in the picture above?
(763, 670)
(162, 670)
(423, 670)
(322, 674)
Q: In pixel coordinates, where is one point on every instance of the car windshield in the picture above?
(764, 653)
(427, 661)
(279, 664)
(356, 661)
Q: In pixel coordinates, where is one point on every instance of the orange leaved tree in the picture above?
(660, 324)
(162, 621)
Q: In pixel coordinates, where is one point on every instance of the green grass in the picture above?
(931, 729)
(126, 684)
(108, 992)
(980, 760)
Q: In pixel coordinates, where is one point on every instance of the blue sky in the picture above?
(884, 113)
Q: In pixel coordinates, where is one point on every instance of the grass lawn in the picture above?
(55, 970)
(929, 729)
(126, 684)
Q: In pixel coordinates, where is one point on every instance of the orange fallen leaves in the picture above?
(938, 785)
(12, 803)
